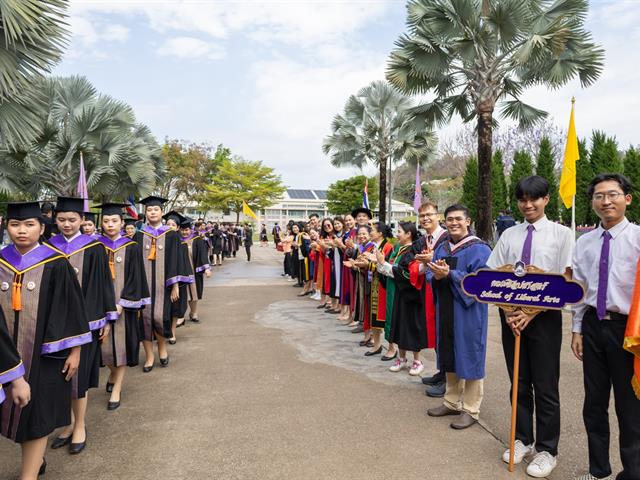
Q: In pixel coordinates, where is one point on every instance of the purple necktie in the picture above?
(526, 249)
(603, 276)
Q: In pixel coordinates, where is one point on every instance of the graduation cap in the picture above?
(175, 216)
(111, 208)
(362, 210)
(90, 217)
(70, 204)
(153, 201)
(23, 210)
(186, 222)
(129, 221)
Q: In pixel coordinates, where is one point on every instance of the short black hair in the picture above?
(457, 207)
(410, 228)
(533, 187)
(384, 229)
(47, 207)
(624, 182)
(314, 215)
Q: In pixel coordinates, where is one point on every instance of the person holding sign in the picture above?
(462, 321)
(549, 246)
(605, 261)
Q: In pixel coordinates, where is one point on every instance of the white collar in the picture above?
(69, 240)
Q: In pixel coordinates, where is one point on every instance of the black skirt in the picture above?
(88, 375)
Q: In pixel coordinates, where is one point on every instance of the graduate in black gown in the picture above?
(199, 263)
(48, 324)
(129, 227)
(121, 347)
(11, 369)
(161, 255)
(89, 260)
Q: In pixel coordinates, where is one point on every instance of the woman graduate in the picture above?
(89, 260)
(129, 227)
(11, 369)
(48, 324)
(161, 255)
(199, 263)
(179, 309)
(89, 225)
(121, 347)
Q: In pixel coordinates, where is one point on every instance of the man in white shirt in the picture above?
(549, 246)
(605, 261)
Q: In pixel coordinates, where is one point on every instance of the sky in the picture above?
(266, 77)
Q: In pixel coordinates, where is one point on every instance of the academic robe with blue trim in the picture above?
(89, 260)
(461, 321)
(45, 317)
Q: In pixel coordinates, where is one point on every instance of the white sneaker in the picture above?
(588, 476)
(542, 465)
(398, 365)
(521, 451)
(417, 368)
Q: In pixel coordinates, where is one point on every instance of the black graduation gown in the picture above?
(217, 242)
(11, 366)
(122, 346)
(186, 278)
(162, 271)
(89, 260)
(51, 319)
(408, 326)
(199, 263)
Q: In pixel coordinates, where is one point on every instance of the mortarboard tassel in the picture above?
(152, 252)
(16, 294)
(112, 265)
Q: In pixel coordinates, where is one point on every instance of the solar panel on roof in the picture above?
(301, 194)
(321, 194)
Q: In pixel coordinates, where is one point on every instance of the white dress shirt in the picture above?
(624, 252)
(551, 247)
(73, 237)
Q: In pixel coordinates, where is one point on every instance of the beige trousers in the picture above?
(464, 395)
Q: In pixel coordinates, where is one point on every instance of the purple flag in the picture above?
(81, 189)
(417, 199)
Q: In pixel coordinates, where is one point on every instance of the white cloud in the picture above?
(189, 47)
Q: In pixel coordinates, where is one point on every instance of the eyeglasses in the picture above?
(425, 215)
(599, 197)
(455, 219)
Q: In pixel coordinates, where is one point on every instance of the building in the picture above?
(296, 205)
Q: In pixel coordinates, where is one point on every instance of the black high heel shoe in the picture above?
(76, 448)
(113, 405)
(43, 467)
(109, 387)
(370, 353)
(147, 369)
(164, 362)
(60, 442)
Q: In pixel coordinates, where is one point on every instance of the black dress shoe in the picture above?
(147, 369)
(195, 319)
(436, 379)
(76, 448)
(384, 358)
(436, 391)
(164, 362)
(109, 387)
(172, 341)
(43, 467)
(113, 405)
(60, 442)
(370, 354)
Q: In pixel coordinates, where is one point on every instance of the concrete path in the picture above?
(267, 387)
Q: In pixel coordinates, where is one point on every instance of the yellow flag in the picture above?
(248, 212)
(571, 155)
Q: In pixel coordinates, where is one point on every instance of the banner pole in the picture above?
(514, 401)
(573, 215)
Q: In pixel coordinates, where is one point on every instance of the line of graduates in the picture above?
(411, 293)
(75, 301)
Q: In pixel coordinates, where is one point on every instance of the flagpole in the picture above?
(573, 215)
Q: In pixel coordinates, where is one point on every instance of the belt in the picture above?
(612, 315)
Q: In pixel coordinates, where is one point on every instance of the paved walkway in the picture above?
(267, 387)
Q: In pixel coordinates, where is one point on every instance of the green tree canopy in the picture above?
(632, 171)
(522, 167)
(498, 184)
(584, 175)
(604, 154)
(345, 195)
(238, 180)
(189, 169)
(470, 57)
(375, 127)
(546, 168)
(470, 187)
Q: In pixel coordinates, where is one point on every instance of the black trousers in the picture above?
(248, 250)
(538, 379)
(607, 364)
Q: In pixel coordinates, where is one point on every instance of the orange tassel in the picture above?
(16, 296)
(152, 252)
(112, 266)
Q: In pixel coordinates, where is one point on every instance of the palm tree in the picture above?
(475, 54)
(121, 156)
(32, 38)
(375, 127)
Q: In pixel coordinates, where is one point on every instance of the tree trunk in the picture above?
(484, 222)
(382, 181)
(237, 217)
(390, 201)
